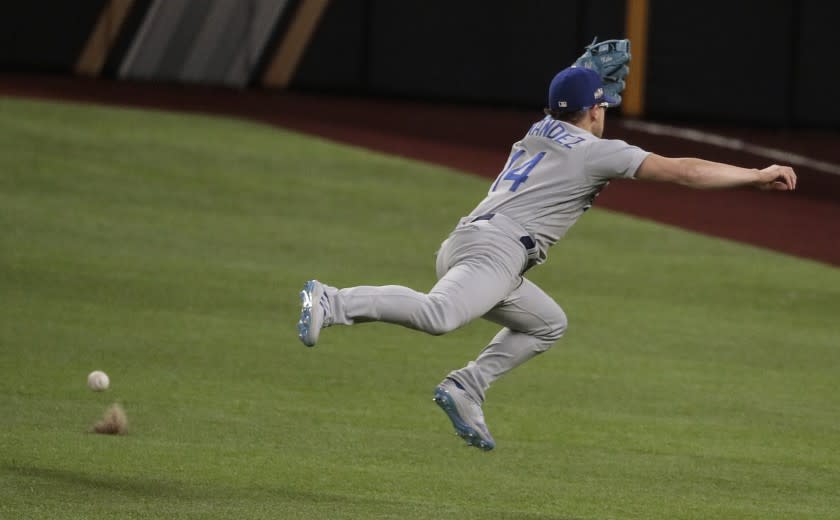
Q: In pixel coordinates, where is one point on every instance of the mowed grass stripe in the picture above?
(698, 378)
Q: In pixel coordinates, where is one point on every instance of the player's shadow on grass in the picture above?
(146, 487)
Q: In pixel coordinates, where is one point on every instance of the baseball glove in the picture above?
(609, 59)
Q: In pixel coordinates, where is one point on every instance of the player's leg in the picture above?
(465, 292)
(533, 322)
(478, 267)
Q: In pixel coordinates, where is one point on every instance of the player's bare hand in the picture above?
(775, 177)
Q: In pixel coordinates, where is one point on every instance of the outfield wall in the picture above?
(761, 62)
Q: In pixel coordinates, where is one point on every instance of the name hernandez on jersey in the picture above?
(552, 176)
(557, 131)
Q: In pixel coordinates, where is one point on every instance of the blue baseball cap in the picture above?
(576, 88)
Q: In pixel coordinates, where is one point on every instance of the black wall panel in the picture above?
(720, 60)
(40, 35)
(463, 51)
(816, 72)
(483, 51)
(336, 59)
(602, 18)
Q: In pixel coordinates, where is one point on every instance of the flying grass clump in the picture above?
(113, 422)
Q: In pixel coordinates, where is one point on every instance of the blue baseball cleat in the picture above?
(312, 312)
(465, 414)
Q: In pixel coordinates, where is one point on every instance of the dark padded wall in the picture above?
(470, 49)
(40, 35)
(720, 60)
(465, 50)
(602, 18)
(817, 76)
(336, 58)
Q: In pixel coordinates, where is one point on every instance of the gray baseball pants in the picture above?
(479, 268)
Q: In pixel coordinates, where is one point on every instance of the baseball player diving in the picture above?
(550, 179)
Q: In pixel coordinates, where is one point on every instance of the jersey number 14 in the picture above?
(517, 174)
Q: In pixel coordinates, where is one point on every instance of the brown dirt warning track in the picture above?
(805, 223)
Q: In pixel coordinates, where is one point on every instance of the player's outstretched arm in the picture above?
(702, 174)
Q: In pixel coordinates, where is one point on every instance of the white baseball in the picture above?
(98, 381)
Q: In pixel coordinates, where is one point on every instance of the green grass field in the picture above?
(699, 378)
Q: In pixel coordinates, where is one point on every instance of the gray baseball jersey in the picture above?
(552, 176)
(550, 179)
